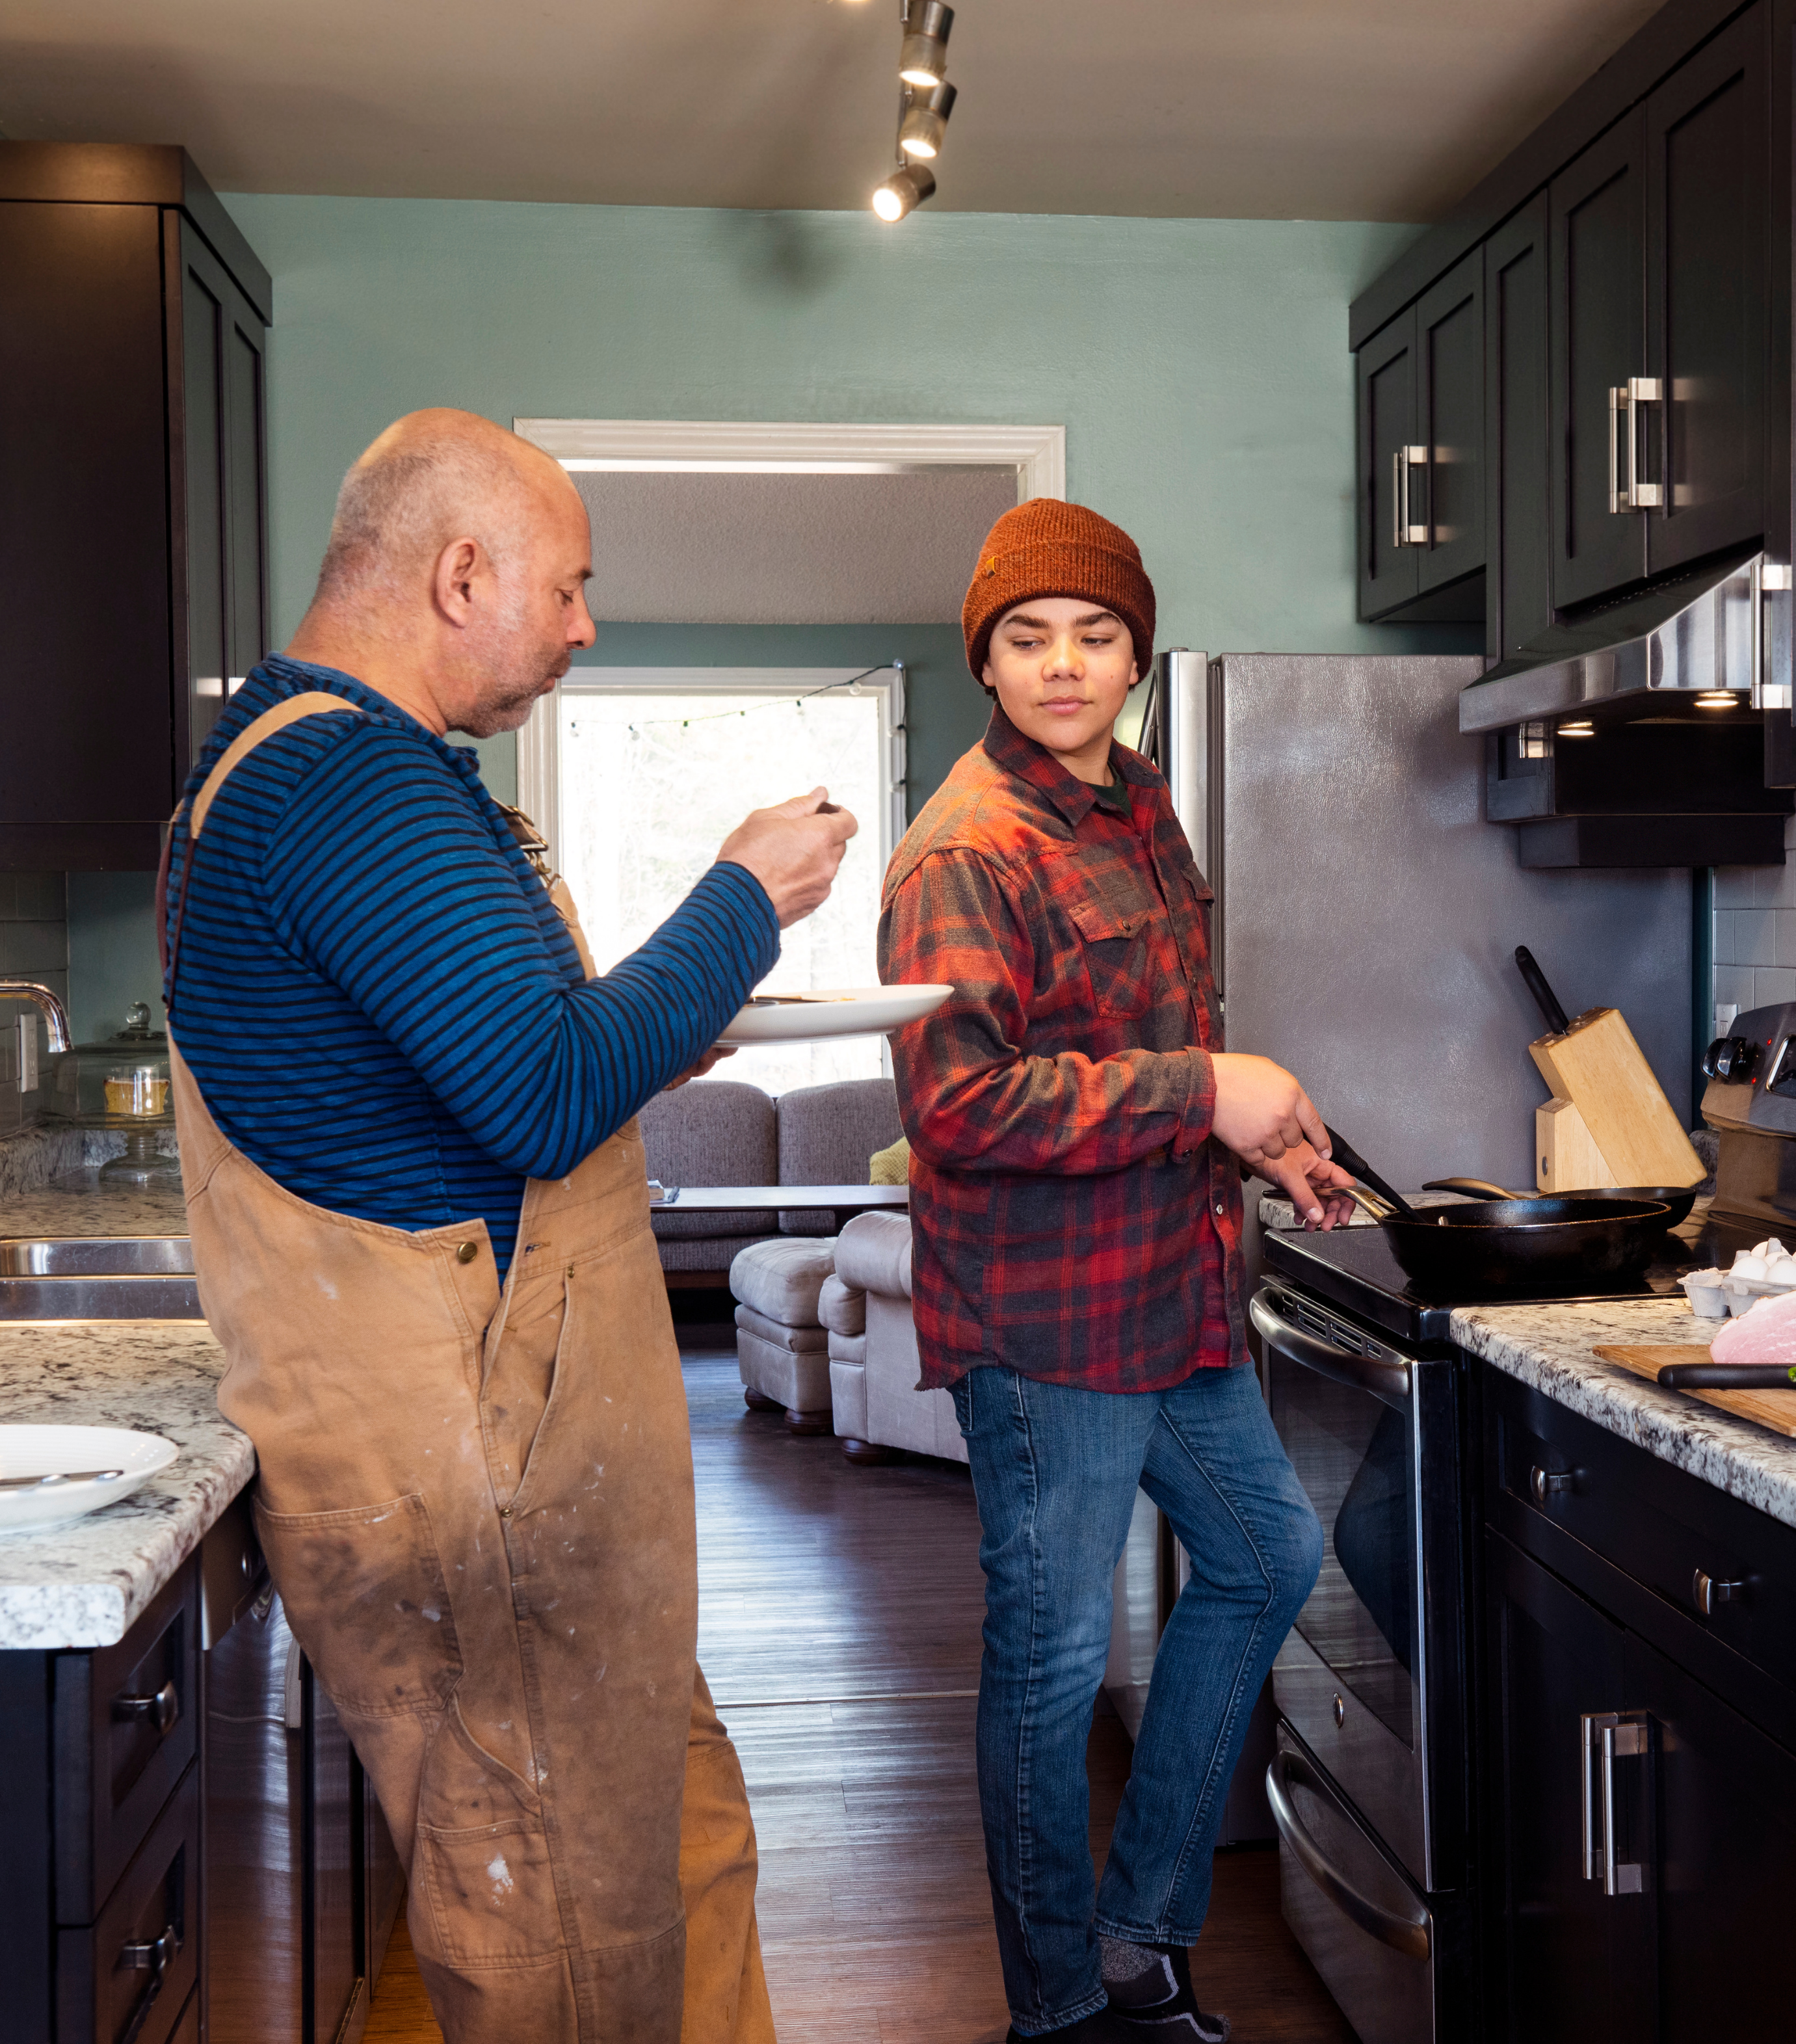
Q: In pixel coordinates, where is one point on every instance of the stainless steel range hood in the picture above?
(1704, 631)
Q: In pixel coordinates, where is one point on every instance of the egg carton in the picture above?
(1714, 1295)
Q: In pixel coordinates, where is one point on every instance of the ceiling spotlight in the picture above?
(925, 121)
(1717, 699)
(903, 191)
(922, 61)
(1578, 727)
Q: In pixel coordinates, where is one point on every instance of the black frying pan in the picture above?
(1550, 1243)
(1678, 1200)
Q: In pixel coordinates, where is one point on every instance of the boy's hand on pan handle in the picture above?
(1264, 1116)
(793, 850)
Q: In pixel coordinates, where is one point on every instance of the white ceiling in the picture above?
(712, 549)
(1330, 110)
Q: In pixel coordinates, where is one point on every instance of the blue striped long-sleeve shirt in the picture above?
(381, 1006)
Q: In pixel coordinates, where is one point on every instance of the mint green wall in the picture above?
(112, 951)
(1200, 367)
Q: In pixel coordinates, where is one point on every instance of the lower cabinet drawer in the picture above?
(126, 1727)
(130, 1976)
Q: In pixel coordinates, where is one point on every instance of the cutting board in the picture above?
(1597, 1066)
(1775, 1409)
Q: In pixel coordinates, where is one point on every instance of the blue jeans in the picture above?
(1055, 1470)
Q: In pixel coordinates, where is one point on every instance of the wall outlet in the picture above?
(27, 1053)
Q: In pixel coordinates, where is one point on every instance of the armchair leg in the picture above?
(758, 1401)
(868, 1451)
(809, 1422)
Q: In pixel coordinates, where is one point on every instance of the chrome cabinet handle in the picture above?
(1605, 1736)
(163, 1709)
(1404, 531)
(1705, 1593)
(1544, 1483)
(1624, 399)
(154, 1958)
(1412, 1936)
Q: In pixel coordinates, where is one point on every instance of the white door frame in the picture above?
(1038, 454)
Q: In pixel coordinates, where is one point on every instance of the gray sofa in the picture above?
(866, 1310)
(723, 1132)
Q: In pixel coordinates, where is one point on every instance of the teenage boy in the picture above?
(1077, 1135)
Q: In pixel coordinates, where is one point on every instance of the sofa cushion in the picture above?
(801, 1341)
(842, 1310)
(781, 1277)
(848, 1398)
(873, 1253)
(848, 1348)
(890, 1166)
(827, 1135)
(712, 1132)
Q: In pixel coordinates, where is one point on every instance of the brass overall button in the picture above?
(466, 1252)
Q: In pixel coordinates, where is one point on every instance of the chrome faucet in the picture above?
(55, 1016)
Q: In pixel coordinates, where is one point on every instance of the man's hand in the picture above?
(793, 850)
(714, 1056)
(1261, 1111)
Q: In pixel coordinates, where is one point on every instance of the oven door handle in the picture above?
(1410, 1935)
(1389, 1380)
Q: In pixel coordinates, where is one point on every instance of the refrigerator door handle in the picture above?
(1388, 1381)
(1410, 1935)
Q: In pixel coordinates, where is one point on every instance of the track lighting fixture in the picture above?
(904, 190)
(926, 119)
(922, 60)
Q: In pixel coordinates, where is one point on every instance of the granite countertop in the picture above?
(84, 1582)
(1549, 1346)
(81, 1202)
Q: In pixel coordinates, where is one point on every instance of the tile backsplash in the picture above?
(1755, 931)
(34, 945)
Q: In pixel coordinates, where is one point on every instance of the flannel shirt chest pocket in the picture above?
(1113, 939)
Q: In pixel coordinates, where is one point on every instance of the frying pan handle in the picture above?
(1343, 1153)
(1479, 1189)
(1554, 1017)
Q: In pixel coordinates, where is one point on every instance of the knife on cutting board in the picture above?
(1609, 1115)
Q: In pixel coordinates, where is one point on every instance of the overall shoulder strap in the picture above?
(315, 702)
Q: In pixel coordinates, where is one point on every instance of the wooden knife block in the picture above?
(1608, 1122)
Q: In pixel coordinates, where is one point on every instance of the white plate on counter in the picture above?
(85, 1466)
(840, 1010)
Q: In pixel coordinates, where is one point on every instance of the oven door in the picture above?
(1369, 1674)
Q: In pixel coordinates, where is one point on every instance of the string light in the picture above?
(782, 702)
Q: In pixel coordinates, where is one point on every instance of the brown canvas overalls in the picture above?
(476, 1504)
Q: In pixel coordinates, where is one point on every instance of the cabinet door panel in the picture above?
(1706, 157)
(1726, 1857)
(1599, 341)
(1450, 351)
(1386, 368)
(247, 491)
(84, 595)
(1516, 433)
(1551, 1657)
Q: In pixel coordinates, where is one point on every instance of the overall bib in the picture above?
(477, 1505)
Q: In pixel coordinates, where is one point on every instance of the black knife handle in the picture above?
(1727, 1377)
(1554, 1017)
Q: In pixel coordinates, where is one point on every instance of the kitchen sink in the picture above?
(97, 1256)
(98, 1277)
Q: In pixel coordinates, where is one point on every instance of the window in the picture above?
(657, 766)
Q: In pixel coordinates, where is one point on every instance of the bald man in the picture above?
(421, 1228)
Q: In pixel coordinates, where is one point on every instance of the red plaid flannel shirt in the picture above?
(1071, 1218)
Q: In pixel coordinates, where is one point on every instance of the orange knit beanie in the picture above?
(1046, 547)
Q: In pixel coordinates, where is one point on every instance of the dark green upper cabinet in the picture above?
(1516, 488)
(133, 496)
(1597, 323)
(1706, 336)
(1421, 440)
(1628, 354)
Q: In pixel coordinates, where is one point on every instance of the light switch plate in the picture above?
(27, 1053)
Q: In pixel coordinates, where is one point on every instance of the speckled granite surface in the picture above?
(36, 1158)
(84, 1582)
(81, 1202)
(1549, 1346)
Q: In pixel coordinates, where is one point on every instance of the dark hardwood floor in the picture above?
(839, 1617)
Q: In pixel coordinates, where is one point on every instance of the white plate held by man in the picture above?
(841, 1011)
